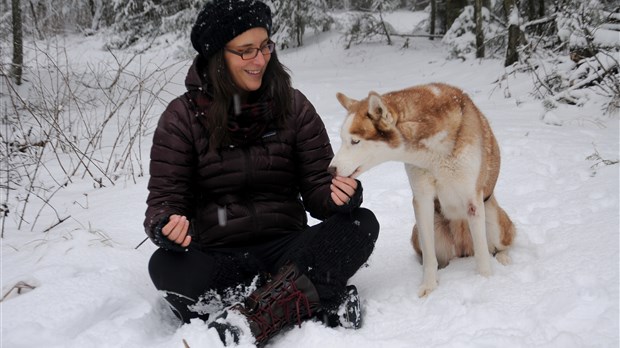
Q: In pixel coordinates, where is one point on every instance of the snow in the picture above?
(92, 287)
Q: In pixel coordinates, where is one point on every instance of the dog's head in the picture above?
(368, 135)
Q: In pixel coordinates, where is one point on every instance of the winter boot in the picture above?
(286, 299)
(348, 314)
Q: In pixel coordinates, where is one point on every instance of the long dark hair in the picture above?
(276, 87)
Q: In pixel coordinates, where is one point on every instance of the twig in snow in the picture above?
(18, 287)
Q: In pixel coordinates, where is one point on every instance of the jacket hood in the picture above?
(192, 79)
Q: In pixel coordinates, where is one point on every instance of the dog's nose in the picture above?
(331, 170)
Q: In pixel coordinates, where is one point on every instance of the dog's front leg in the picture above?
(424, 215)
(476, 219)
(423, 188)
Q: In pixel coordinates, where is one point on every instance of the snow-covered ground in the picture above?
(93, 289)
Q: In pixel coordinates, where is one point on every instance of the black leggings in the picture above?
(197, 283)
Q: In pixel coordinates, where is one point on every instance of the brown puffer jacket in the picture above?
(264, 188)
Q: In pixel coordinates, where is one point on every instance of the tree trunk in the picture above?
(97, 12)
(299, 30)
(18, 44)
(479, 26)
(385, 30)
(453, 10)
(512, 54)
(299, 23)
(514, 33)
(541, 8)
(433, 18)
(531, 10)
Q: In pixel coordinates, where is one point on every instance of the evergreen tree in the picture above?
(137, 19)
(292, 17)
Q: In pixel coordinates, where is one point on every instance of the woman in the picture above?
(236, 163)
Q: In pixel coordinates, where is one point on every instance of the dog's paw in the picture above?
(483, 265)
(503, 258)
(485, 271)
(426, 289)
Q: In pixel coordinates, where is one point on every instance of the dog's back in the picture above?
(444, 121)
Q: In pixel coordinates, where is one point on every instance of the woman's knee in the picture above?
(161, 266)
(175, 271)
(366, 221)
(368, 218)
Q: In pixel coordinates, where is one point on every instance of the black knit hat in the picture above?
(220, 21)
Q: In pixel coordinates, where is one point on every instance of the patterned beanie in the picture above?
(220, 21)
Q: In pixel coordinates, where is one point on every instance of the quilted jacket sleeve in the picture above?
(171, 167)
(314, 153)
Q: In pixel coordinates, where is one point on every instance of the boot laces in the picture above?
(291, 294)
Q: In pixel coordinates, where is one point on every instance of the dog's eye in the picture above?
(354, 142)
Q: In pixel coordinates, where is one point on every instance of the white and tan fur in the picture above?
(452, 161)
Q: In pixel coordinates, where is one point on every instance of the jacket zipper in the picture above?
(248, 179)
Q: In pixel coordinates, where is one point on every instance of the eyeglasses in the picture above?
(251, 53)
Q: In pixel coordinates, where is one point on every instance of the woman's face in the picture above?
(247, 74)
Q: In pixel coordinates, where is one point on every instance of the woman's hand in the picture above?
(177, 230)
(343, 188)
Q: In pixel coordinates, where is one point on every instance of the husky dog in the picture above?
(452, 161)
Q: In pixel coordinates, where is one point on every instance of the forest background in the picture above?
(570, 48)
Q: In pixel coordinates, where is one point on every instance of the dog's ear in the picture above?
(346, 101)
(377, 110)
